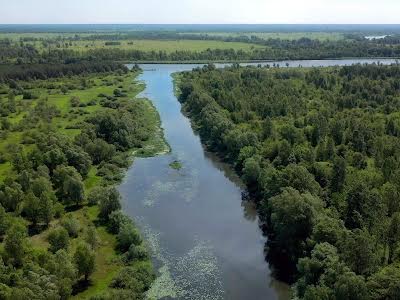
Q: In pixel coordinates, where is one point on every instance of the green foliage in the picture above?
(69, 185)
(58, 239)
(135, 279)
(71, 225)
(110, 203)
(4, 222)
(15, 246)
(319, 149)
(127, 236)
(91, 237)
(116, 219)
(97, 195)
(84, 259)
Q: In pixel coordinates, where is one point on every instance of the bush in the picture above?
(58, 239)
(58, 209)
(116, 220)
(26, 95)
(92, 102)
(74, 101)
(71, 225)
(127, 236)
(136, 252)
(109, 204)
(96, 195)
(137, 279)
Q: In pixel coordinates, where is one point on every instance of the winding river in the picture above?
(205, 239)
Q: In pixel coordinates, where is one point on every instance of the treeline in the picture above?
(45, 71)
(274, 49)
(320, 150)
(46, 187)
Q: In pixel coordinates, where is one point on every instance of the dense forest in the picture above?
(65, 142)
(319, 150)
(60, 50)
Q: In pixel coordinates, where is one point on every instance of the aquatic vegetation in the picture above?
(176, 165)
(198, 273)
(194, 275)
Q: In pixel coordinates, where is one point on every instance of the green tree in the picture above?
(338, 174)
(110, 203)
(393, 234)
(391, 196)
(127, 236)
(11, 196)
(58, 239)
(84, 259)
(97, 194)
(360, 252)
(69, 185)
(385, 284)
(32, 208)
(292, 219)
(351, 287)
(116, 219)
(15, 246)
(91, 237)
(251, 171)
(53, 158)
(71, 224)
(4, 221)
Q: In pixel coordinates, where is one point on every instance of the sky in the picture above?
(200, 11)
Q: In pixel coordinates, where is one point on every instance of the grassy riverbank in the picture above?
(63, 113)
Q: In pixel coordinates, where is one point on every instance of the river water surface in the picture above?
(205, 239)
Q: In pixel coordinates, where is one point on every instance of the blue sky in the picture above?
(201, 11)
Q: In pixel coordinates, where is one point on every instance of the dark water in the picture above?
(205, 239)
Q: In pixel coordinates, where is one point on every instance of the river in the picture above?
(205, 239)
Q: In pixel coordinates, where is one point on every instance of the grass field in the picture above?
(149, 45)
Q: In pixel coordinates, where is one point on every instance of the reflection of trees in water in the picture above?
(225, 168)
(273, 255)
(249, 208)
(279, 261)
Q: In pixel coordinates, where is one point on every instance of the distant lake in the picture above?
(376, 37)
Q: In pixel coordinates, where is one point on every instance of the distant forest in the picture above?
(353, 44)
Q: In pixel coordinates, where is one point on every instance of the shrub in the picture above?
(116, 220)
(71, 225)
(127, 236)
(96, 195)
(58, 239)
(110, 203)
(74, 101)
(136, 252)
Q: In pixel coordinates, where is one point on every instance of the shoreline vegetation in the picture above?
(318, 149)
(66, 142)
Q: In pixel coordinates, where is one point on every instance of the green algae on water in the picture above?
(176, 165)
